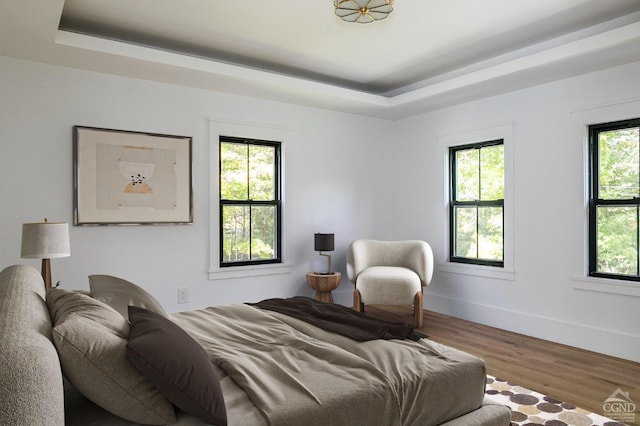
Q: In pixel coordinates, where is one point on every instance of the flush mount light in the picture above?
(363, 11)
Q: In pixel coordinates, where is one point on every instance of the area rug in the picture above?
(531, 408)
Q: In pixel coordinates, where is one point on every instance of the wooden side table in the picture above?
(324, 284)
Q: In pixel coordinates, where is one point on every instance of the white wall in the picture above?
(329, 179)
(544, 297)
(352, 175)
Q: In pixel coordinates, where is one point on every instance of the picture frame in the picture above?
(126, 177)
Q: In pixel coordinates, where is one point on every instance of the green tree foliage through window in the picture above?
(615, 200)
(477, 203)
(249, 201)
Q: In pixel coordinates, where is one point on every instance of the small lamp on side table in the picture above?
(324, 242)
(45, 240)
(324, 282)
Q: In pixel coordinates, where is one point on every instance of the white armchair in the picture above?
(390, 273)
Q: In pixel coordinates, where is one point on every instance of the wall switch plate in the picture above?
(183, 295)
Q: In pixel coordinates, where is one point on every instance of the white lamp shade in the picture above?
(46, 240)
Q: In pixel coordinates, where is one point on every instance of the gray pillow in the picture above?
(120, 294)
(91, 340)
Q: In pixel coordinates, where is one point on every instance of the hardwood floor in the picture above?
(576, 376)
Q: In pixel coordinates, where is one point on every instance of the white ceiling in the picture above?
(426, 54)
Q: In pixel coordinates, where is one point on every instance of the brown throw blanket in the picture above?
(340, 319)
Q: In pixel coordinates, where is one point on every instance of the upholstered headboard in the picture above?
(31, 387)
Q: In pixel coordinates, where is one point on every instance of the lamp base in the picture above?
(46, 272)
(328, 256)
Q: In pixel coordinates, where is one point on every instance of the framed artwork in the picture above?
(130, 178)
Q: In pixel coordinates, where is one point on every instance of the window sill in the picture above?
(249, 271)
(477, 270)
(606, 285)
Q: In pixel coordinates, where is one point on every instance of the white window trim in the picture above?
(506, 133)
(580, 121)
(258, 131)
(606, 285)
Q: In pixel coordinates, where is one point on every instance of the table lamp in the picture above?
(45, 240)
(324, 242)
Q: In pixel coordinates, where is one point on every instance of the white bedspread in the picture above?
(293, 373)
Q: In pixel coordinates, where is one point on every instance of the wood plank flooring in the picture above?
(573, 375)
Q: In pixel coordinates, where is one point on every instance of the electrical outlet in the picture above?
(183, 295)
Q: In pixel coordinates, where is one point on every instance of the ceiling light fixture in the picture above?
(363, 11)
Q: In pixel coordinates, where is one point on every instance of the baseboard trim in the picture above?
(609, 342)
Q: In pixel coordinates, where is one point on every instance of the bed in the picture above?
(269, 368)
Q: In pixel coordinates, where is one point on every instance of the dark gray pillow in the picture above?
(176, 365)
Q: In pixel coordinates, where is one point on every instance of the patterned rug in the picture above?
(532, 409)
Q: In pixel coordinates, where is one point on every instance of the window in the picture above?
(614, 200)
(476, 207)
(250, 202)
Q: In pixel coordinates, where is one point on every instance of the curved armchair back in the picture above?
(413, 254)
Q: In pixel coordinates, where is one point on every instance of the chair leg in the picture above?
(357, 301)
(417, 310)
